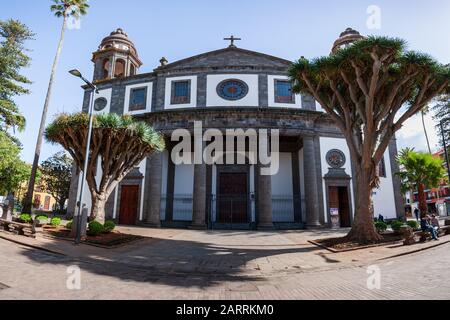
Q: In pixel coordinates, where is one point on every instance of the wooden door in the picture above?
(233, 198)
(47, 203)
(344, 208)
(129, 200)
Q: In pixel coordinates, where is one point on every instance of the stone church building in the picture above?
(230, 88)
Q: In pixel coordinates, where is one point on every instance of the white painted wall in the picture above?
(184, 187)
(214, 100)
(184, 179)
(107, 94)
(384, 199)
(282, 181)
(87, 195)
(168, 96)
(327, 144)
(271, 90)
(283, 191)
(149, 86)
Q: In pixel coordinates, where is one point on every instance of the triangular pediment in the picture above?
(228, 57)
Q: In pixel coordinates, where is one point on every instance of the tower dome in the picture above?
(345, 38)
(116, 57)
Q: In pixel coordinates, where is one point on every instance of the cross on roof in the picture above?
(232, 39)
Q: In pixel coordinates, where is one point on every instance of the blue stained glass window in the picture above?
(283, 91)
(181, 92)
(138, 99)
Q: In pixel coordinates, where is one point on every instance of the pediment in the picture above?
(227, 58)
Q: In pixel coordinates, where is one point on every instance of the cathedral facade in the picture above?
(230, 88)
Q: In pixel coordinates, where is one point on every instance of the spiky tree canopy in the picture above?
(370, 89)
(119, 142)
(364, 87)
(67, 8)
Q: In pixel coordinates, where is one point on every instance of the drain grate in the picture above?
(3, 286)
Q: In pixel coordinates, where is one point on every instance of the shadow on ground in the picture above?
(175, 262)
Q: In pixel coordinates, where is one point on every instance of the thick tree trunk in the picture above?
(363, 229)
(423, 207)
(98, 208)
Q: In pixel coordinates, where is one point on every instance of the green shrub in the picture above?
(381, 226)
(95, 228)
(413, 224)
(396, 225)
(109, 226)
(69, 225)
(42, 219)
(25, 217)
(55, 222)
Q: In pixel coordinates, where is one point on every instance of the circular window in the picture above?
(336, 158)
(100, 104)
(232, 89)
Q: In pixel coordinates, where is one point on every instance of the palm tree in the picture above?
(64, 9)
(420, 171)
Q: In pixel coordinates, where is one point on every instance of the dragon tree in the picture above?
(118, 145)
(370, 88)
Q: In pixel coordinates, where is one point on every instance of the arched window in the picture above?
(106, 68)
(382, 169)
(119, 70)
(132, 70)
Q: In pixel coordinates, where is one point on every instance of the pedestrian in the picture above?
(426, 226)
(435, 222)
(417, 214)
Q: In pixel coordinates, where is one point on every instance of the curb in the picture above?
(30, 245)
(415, 251)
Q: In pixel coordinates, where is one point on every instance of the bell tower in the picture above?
(346, 38)
(116, 57)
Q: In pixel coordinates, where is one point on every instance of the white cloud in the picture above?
(412, 134)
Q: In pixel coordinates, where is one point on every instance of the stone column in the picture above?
(311, 186)
(265, 215)
(199, 200)
(153, 182)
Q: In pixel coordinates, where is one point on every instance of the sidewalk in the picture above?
(224, 253)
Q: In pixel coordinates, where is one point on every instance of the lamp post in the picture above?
(78, 74)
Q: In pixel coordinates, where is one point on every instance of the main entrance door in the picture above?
(339, 199)
(232, 198)
(129, 200)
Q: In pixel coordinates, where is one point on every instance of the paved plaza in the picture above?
(185, 264)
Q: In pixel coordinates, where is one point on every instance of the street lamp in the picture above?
(78, 74)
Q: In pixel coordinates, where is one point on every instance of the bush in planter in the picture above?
(413, 224)
(25, 218)
(109, 226)
(396, 225)
(55, 222)
(381, 226)
(95, 228)
(69, 225)
(42, 219)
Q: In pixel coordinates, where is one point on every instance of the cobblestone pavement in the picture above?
(192, 265)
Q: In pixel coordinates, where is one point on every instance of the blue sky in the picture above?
(178, 29)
